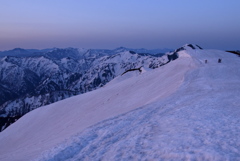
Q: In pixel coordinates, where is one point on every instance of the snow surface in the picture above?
(185, 110)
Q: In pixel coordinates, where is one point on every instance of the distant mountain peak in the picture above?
(188, 46)
(19, 50)
(192, 46)
(120, 49)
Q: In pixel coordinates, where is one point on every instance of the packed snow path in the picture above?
(201, 121)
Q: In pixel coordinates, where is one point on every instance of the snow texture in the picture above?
(185, 110)
(55, 74)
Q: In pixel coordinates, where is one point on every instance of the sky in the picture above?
(110, 24)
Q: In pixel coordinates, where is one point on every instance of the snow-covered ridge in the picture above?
(51, 75)
(54, 123)
(187, 109)
(199, 121)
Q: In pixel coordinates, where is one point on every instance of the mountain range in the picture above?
(31, 78)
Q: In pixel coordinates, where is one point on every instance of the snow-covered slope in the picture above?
(37, 79)
(185, 110)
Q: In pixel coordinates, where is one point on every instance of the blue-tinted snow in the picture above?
(198, 120)
(201, 121)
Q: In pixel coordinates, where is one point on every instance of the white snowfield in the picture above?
(185, 110)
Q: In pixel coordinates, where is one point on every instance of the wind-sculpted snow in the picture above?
(198, 122)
